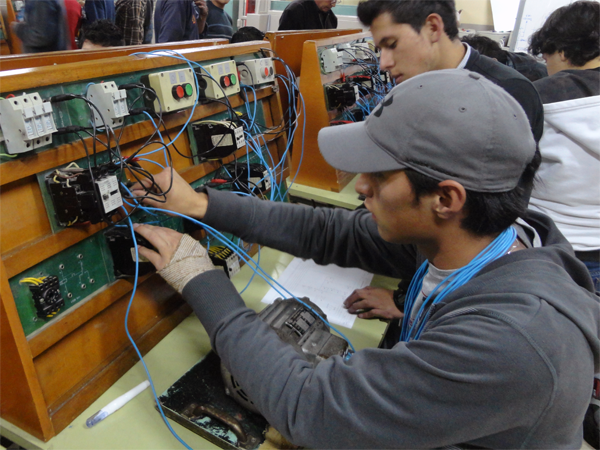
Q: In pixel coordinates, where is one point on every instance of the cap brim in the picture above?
(349, 148)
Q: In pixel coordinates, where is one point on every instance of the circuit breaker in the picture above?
(175, 90)
(331, 60)
(110, 101)
(225, 78)
(27, 122)
(256, 71)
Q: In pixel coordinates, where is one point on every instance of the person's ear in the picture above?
(561, 55)
(433, 27)
(450, 200)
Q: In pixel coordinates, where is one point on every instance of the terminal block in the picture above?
(47, 297)
(110, 101)
(225, 258)
(256, 71)
(78, 197)
(225, 78)
(175, 90)
(216, 140)
(27, 123)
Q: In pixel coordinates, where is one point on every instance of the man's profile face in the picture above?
(390, 199)
(325, 5)
(404, 52)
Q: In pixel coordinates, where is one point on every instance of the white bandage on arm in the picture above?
(190, 259)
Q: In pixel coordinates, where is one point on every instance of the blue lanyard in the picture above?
(497, 248)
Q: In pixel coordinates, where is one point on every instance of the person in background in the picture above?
(523, 63)
(247, 34)
(569, 191)
(308, 15)
(179, 20)
(98, 10)
(45, 27)
(134, 19)
(74, 20)
(219, 24)
(101, 34)
(417, 36)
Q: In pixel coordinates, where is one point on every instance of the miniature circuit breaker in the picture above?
(110, 101)
(27, 123)
(331, 60)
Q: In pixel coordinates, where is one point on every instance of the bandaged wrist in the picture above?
(190, 260)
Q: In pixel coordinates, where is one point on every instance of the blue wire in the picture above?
(135, 347)
(258, 270)
(497, 248)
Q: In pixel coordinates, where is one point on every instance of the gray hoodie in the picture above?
(506, 361)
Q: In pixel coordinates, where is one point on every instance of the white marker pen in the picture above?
(116, 404)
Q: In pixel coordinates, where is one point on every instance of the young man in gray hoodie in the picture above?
(499, 340)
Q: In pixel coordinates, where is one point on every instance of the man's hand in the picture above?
(202, 7)
(371, 302)
(178, 258)
(164, 240)
(181, 198)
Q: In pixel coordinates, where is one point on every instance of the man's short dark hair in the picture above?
(486, 46)
(411, 12)
(572, 29)
(103, 32)
(486, 213)
(247, 34)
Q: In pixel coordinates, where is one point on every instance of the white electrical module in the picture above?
(27, 122)
(256, 71)
(111, 101)
(331, 60)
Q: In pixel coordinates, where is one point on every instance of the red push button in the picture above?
(225, 81)
(178, 92)
(266, 72)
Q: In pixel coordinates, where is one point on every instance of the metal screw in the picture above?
(83, 286)
(61, 266)
(80, 256)
(92, 280)
(69, 295)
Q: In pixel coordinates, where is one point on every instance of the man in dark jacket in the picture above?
(44, 28)
(500, 335)
(179, 20)
(308, 15)
(417, 36)
(523, 63)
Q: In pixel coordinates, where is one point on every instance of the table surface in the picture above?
(138, 425)
(346, 198)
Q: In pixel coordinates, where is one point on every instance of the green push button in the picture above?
(233, 79)
(188, 90)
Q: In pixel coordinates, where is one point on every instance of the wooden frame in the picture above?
(28, 60)
(48, 378)
(308, 163)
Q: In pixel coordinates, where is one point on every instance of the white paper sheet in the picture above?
(326, 286)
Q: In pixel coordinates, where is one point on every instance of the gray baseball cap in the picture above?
(447, 124)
